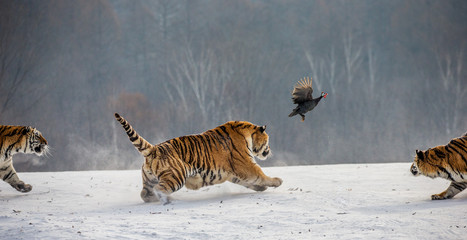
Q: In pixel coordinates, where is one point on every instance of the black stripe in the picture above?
(137, 145)
(178, 175)
(183, 150)
(4, 168)
(447, 149)
(10, 174)
(463, 148)
(439, 153)
(458, 186)
(223, 128)
(462, 156)
(454, 169)
(445, 171)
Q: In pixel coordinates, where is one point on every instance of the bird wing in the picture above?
(302, 91)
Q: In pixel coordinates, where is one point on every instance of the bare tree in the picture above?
(202, 78)
(315, 69)
(455, 94)
(166, 14)
(352, 57)
(372, 65)
(323, 70)
(18, 57)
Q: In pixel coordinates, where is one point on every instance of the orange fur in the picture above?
(18, 139)
(225, 153)
(446, 161)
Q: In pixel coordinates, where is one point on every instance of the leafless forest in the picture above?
(395, 71)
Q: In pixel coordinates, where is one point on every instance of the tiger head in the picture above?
(35, 142)
(260, 142)
(418, 157)
(429, 163)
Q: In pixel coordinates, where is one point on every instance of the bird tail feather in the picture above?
(293, 113)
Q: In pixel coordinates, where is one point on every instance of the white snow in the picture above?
(352, 201)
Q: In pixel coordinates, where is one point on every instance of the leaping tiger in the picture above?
(18, 139)
(225, 153)
(446, 161)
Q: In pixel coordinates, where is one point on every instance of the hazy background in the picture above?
(395, 71)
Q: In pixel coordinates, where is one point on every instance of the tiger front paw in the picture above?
(258, 188)
(440, 196)
(23, 187)
(276, 182)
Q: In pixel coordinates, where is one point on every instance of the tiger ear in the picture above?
(262, 128)
(419, 154)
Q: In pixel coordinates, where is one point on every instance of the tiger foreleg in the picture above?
(260, 186)
(22, 187)
(257, 181)
(9, 175)
(257, 188)
(450, 192)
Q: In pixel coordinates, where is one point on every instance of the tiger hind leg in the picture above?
(450, 192)
(154, 193)
(163, 197)
(160, 187)
(160, 191)
(194, 182)
(148, 195)
(149, 182)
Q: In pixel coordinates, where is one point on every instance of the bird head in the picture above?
(324, 95)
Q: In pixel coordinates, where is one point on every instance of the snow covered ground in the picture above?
(352, 201)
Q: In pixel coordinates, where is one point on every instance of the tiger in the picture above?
(224, 153)
(18, 139)
(445, 161)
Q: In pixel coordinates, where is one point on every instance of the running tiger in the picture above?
(449, 162)
(225, 153)
(18, 139)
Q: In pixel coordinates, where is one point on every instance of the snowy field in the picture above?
(352, 201)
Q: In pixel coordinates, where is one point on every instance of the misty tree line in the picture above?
(394, 70)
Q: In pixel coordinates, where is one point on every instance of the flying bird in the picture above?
(301, 95)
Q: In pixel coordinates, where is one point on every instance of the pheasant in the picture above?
(301, 95)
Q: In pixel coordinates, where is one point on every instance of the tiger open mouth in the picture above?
(266, 152)
(38, 149)
(41, 149)
(414, 170)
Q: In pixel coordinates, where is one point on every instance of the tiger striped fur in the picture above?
(18, 139)
(225, 153)
(446, 161)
